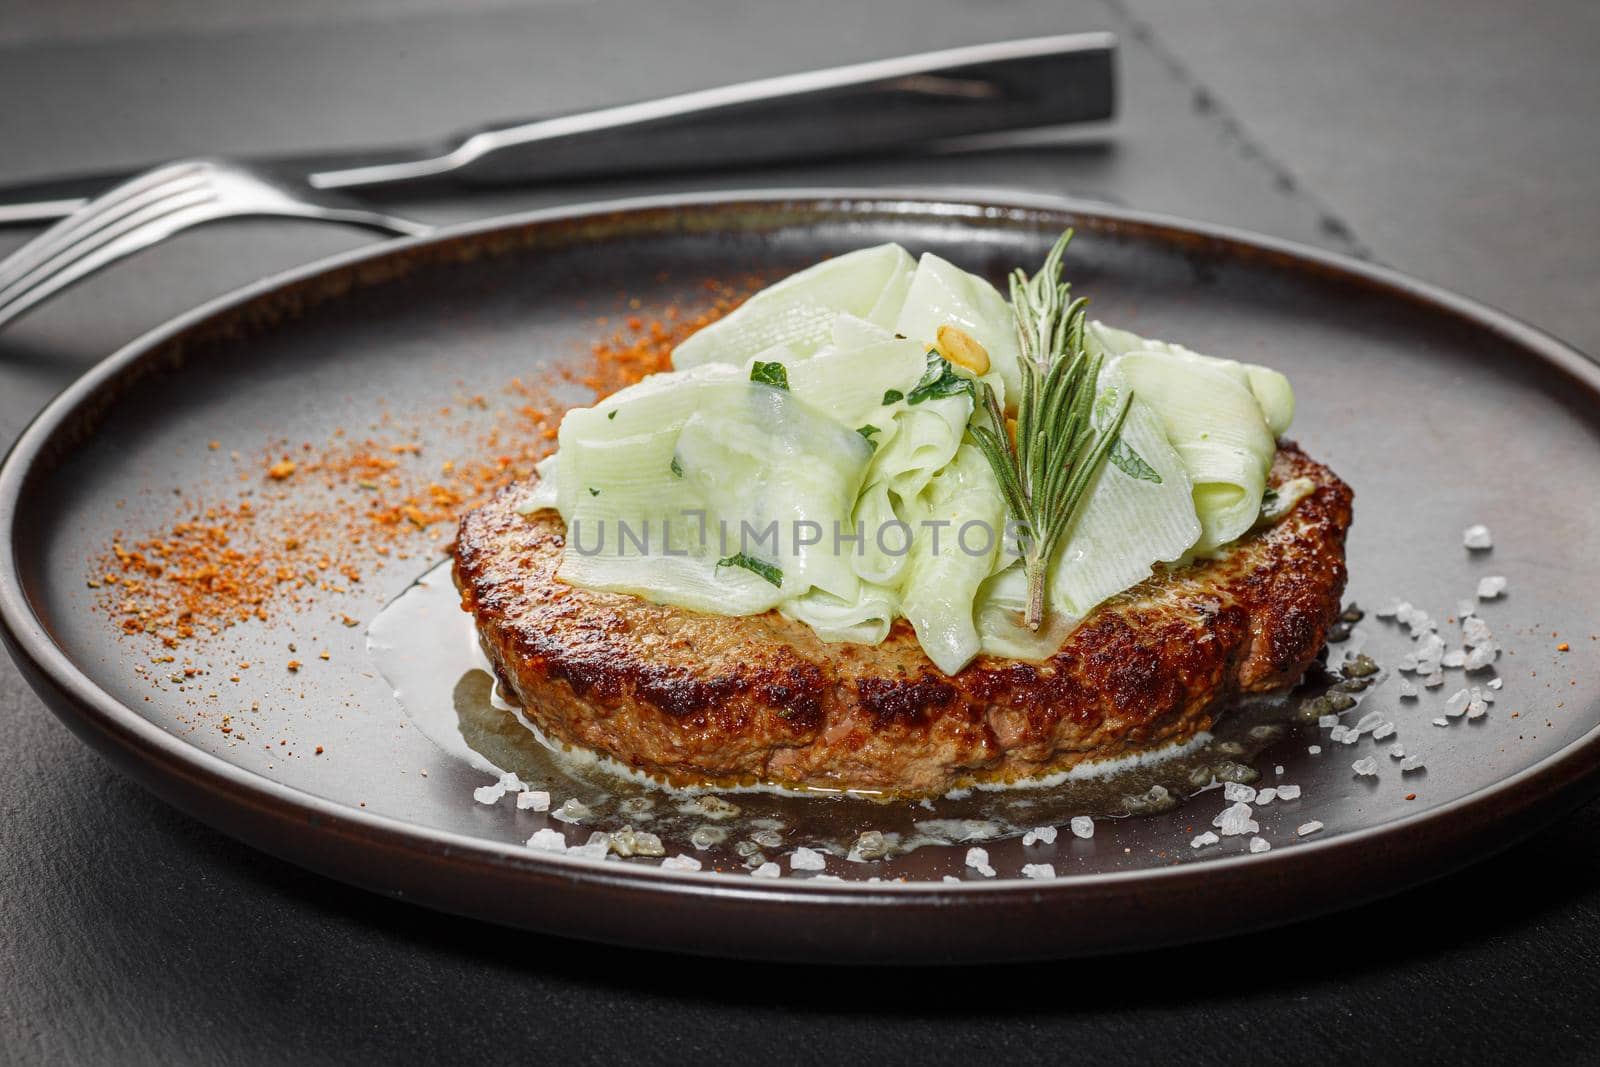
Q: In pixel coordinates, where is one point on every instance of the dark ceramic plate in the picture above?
(1440, 412)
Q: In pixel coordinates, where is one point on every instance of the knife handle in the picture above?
(862, 108)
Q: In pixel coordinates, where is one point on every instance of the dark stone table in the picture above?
(1456, 140)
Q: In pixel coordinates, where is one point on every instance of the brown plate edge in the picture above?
(848, 922)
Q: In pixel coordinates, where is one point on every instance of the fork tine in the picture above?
(111, 230)
(117, 204)
(156, 223)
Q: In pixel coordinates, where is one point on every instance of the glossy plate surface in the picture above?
(1440, 412)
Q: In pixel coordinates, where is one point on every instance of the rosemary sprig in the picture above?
(1044, 470)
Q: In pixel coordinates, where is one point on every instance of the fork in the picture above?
(155, 205)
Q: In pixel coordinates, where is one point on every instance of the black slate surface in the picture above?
(1456, 140)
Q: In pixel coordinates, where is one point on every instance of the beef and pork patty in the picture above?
(695, 698)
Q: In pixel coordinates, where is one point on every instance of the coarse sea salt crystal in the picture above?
(1235, 820)
(533, 800)
(1082, 826)
(1496, 683)
(1456, 657)
(1491, 586)
(511, 783)
(1465, 607)
(1369, 722)
(978, 860)
(630, 842)
(548, 841)
(1043, 835)
(1308, 828)
(572, 810)
(1408, 690)
(1477, 709)
(1407, 662)
(1288, 792)
(1266, 796)
(951, 878)
(1042, 871)
(807, 859)
(1388, 608)
(595, 848)
(1457, 702)
(1327, 721)
(1383, 732)
(1259, 844)
(1315, 750)
(1481, 657)
(488, 794)
(1207, 838)
(1337, 735)
(1441, 722)
(1477, 537)
(1411, 763)
(767, 838)
(1278, 770)
(1365, 767)
(680, 862)
(1433, 681)
(1397, 750)
(1238, 792)
(1474, 631)
(870, 845)
(772, 870)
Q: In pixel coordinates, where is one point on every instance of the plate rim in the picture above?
(155, 756)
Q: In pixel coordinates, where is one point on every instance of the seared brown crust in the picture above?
(696, 697)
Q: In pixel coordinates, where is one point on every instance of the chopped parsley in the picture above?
(938, 381)
(760, 568)
(1131, 463)
(772, 374)
(1122, 455)
(867, 431)
(677, 468)
(893, 396)
(611, 414)
(1106, 404)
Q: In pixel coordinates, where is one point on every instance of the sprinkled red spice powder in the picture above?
(310, 520)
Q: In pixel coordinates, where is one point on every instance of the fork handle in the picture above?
(862, 108)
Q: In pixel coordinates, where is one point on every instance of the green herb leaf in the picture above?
(611, 414)
(938, 380)
(1105, 404)
(677, 468)
(593, 491)
(760, 568)
(893, 396)
(867, 431)
(773, 374)
(1131, 463)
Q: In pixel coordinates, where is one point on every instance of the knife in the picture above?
(840, 111)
